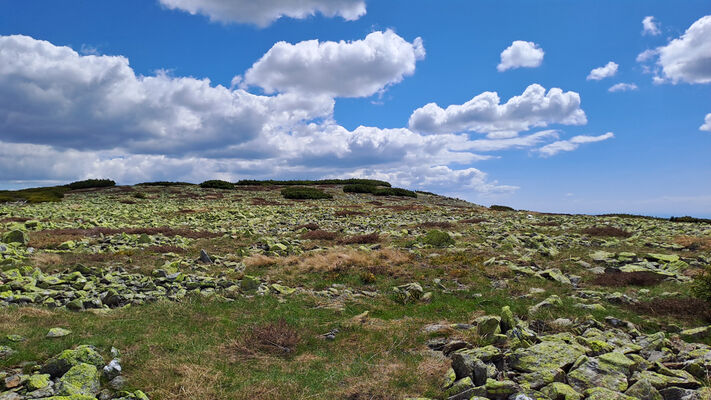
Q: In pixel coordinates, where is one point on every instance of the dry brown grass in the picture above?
(347, 213)
(621, 279)
(272, 339)
(606, 231)
(390, 262)
(435, 224)
(14, 219)
(310, 226)
(694, 243)
(370, 238)
(260, 261)
(681, 308)
(186, 381)
(473, 220)
(320, 234)
(46, 260)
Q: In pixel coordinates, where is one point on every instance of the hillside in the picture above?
(237, 292)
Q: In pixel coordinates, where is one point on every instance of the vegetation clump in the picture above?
(33, 195)
(690, 219)
(217, 184)
(496, 207)
(165, 183)
(437, 238)
(304, 193)
(91, 184)
(702, 285)
(378, 191)
(271, 182)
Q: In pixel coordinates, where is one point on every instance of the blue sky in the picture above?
(66, 117)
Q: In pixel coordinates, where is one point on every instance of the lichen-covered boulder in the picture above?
(596, 373)
(61, 363)
(561, 391)
(508, 321)
(547, 355)
(58, 332)
(600, 393)
(16, 236)
(642, 389)
(488, 326)
(81, 379)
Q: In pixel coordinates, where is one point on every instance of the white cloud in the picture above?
(707, 124)
(53, 95)
(650, 26)
(509, 143)
(66, 116)
(264, 12)
(622, 87)
(337, 69)
(610, 69)
(521, 54)
(571, 144)
(485, 113)
(684, 59)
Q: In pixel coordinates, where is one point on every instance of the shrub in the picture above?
(91, 183)
(690, 219)
(217, 184)
(271, 182)
(378, 191)
(276, 338)
(496, 207)
(394, 192)
(304, 193)
(437, 238)
(139, 195)
(320, 234)
(166, 183)
(702, 285)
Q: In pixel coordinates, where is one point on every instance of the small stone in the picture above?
(58, 332)
(204, 257)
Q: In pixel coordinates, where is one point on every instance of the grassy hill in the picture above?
(240, 292)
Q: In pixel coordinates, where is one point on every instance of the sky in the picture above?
(590, 106)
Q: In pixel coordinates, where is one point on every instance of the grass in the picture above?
(34, 195)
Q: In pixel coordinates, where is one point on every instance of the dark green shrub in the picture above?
(217, 184)
(690, 219)
(91, 183)
(139, 195)
(702, 285)
(394, 192)
(165, 183)
(304, 193)
(501, 208)
(378, 191)
(437, 238)
(271, 182)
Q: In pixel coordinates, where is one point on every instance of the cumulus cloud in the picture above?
(571, 144)
(521, 54)
(684, 59)
(338, 69)
(610, 69)
(707, 124)
(53, 95)
(622, 87)
(264, 12)
(67, 116)
(650, 26)
(484, 113)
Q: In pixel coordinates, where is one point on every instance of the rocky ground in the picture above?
(242, 294)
